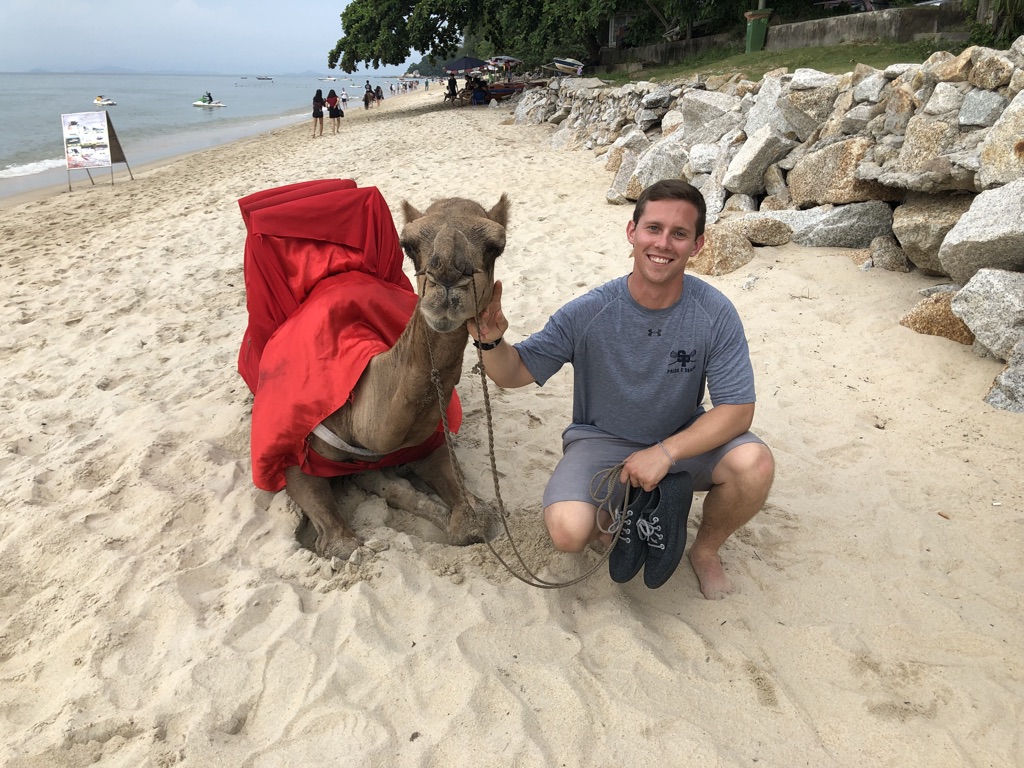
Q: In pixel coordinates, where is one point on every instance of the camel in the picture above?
(453, 245)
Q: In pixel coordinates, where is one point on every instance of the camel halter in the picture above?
(602, 480)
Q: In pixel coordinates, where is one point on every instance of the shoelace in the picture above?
(649, 531)
(625, 516)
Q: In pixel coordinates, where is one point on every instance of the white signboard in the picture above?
(86, 140)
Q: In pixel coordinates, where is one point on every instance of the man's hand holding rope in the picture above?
(493, 324)
(646, 468)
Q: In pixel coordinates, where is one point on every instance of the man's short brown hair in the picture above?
(673, 189)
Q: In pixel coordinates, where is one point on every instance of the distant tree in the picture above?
(380, 32)
(386, 31)
(1007, 21)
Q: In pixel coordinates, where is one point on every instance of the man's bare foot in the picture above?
(714, 582)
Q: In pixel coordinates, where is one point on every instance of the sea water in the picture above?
(154, 118)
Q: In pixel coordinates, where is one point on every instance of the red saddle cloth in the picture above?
(325, 292)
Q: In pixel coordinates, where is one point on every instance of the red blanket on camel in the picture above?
(325, 293)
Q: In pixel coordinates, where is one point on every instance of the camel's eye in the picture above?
(409, 246)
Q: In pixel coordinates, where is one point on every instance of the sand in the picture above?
(156, 609)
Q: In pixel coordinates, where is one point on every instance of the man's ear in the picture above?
(630, 229)
(697, 245)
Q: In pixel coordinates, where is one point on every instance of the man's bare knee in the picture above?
(752, 464)
(570, 525)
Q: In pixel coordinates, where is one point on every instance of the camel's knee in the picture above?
(571, 525)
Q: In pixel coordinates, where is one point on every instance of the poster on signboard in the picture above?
(86, 140)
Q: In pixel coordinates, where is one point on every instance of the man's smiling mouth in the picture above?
(659, 259)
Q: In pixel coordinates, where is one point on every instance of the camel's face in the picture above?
(454, 244)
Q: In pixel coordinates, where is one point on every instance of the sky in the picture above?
(231, 37)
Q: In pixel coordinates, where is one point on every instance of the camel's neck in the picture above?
(420, 349)
(396, 401)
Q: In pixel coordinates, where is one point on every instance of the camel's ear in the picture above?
(499, 212)
(410, 213)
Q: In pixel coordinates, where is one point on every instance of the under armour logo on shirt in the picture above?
(653, 332)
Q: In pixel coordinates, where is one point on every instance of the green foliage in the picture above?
(643, 29)
(387, 31)
(836, 59)
(1005, 24)
(1008, 21)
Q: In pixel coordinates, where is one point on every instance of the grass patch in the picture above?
(835, 59)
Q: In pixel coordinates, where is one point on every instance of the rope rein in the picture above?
(602, 485)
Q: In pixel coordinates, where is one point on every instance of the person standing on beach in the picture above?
(643, 349)
(333, 111)
(318, 112)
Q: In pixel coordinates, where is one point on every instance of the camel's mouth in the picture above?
(443, 323)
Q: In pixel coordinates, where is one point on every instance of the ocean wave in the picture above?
(27, 169)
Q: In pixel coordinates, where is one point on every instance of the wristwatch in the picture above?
(486, 345)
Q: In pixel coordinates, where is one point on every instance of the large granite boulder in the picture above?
(746, 171)
(806, 110)
(627, 165)
(989, 69)
(992, 306)
(981, 108)
(535, 107)
(923, 162)
(848, 226)
(829, 176)
(664, 160)
(761, 231)
(698, 108)
(887, 254)
(922, 223)
(989, 235)
(1002, 151)
(933, 316)
(764, 108)
(1007, 393)
(725, 250)
(634, 141)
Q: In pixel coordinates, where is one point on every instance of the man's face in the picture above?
(663, 241)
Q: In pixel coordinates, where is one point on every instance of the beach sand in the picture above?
(156, 609)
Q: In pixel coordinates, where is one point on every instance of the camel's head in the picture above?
(454, 244)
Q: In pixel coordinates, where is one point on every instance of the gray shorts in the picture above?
(586, 456)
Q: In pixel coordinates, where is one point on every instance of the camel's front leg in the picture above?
(471, 520)
(316, 499)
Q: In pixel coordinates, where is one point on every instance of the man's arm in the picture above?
(501, 363)
(712, 429)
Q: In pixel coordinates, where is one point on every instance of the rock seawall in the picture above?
(922, 164)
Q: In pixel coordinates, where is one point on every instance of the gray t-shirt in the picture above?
(640, 373)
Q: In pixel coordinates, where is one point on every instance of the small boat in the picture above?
(569, 66)
(327, 79)
(501, 91)
(264, 77)
(103, 101)
(202, 103)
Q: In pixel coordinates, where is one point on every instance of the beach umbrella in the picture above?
(464, 64)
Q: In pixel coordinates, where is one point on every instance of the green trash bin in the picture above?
(757, 29)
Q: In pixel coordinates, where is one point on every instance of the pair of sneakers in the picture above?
(653, 533)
